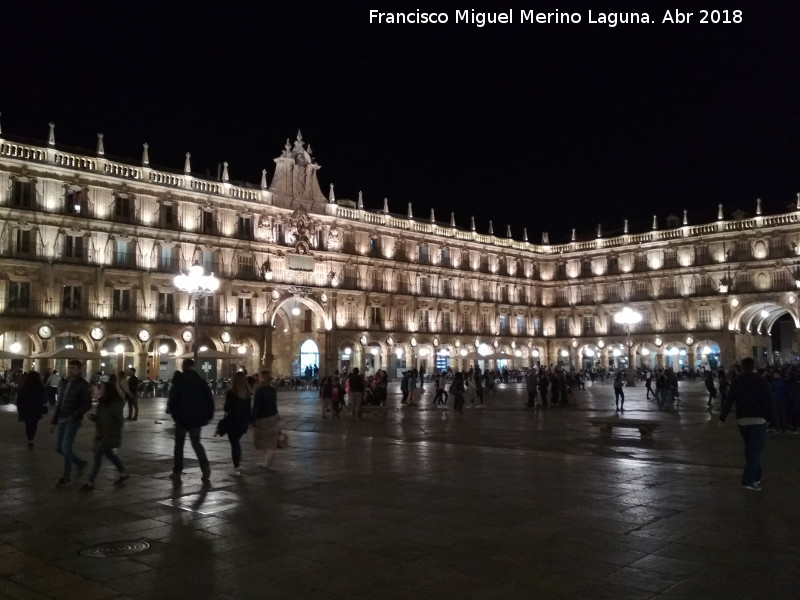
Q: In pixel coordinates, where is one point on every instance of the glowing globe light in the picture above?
(163, 348)
(119, 349)
(15, 347)
(242, 350)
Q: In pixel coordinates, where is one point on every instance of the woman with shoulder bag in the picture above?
(237, 416)
(31, 404)
(108, 424)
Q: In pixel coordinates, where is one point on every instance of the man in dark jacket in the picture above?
(191, 406)
(74, 401)
(356, 385)
(752, 397)
(133, 398)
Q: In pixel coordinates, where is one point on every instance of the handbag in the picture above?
(222, 427)
(283, 440)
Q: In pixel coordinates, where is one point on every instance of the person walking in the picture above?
(531, 383)
(479, 386)
(265, 418)
(712, 390)
(619, 395)
(191, 406)
(325, 392)
(133, 395)
(648, 384)
(404, 387)
(751, 396)
(74, 401)
(52, 383)
(108, 431)
(31, 404)
(356, 385)
(457, 389)
(441, 395)
(237, 416)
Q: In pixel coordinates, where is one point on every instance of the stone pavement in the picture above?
(501, 502)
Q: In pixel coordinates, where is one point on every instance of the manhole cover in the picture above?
(112, 549)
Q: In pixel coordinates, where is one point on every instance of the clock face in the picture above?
(96, 334)
(225, 337)
(45, 332)
(144, 335)
(186, 336)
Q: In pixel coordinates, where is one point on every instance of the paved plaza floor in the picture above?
(501, 502)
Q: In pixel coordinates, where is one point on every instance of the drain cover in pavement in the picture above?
(112, 549)
(205, 504)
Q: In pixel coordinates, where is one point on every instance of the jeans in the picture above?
(236, 449)
(98, 459)
(194, 438)
(754, 437)
(133, 407)
(65, 436)
(355, 399)
(619, 394)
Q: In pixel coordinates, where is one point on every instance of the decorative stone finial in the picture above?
(685, 217)
(101, 150)
(51, 137)
(145, 155)
(797, 207)
(360, 204)
(599, 230)
(452, 219)
(572, 237)
(655, 222)
(719, 213)
(472, 223)
(491, 229)
(187, 164)
(410, 212)
(758, 206)
(225, 177)
(525, 234)
(331, 197)
(386, 205)
(545, 238)
(263, 179)
(1, 133)
(287, 149)
(508, 231)
(625, 227)
(433, 216)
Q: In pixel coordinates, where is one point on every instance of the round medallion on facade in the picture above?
(97, 333)
(225, 336)
(143, 335)
(363, 340)
(601, 344)
(689, 340)
(436, 341)
(413, 342)
(390, 341)
(45, 332)
(658, 341)
(186, 336)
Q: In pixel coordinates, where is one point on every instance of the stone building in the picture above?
(89, 247)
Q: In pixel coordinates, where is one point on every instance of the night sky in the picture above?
(547, 126)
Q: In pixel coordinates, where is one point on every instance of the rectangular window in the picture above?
(208, 223)
(537, 326)
(377, 280)
(350, 277)
(207, 260)
(166, 259)
(423, 255)
(744, 282)
(123, 209)
(447, 321)
(375, 317)
(503, 324)
(19, 295)
(206, 311)
(122, 254)
(278, 233)
(485, 322)
(743, 251)
(424, 319)
(243, 311)
(465, 263)
(562, 297)
(168, 216)
(73, 247)
(23, 246)
(704, 316)
(485, 263)
(673, 317)
(246, 266)
(22, 194)
(244, 227)
(613, 293)
(642, 289)
(588, 325)
(401, 317)
(74, 202)
(561, 271)
(71, 300)
(424, 287)
(779, 280)
(562, 326)
(447, 290)
(521, 329)
(486, 293)
(444, 257)
(122, 303)
(166, 306)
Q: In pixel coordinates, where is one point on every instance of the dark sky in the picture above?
(548, 126)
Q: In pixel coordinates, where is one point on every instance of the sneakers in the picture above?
(122, 478)
(63, 482)
(753, 487)
(206, 477)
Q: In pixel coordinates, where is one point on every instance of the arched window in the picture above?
(309, 355)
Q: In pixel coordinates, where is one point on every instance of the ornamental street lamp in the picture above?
(197, 285)
(627, 316)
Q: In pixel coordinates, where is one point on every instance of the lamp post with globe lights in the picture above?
(627, 316)
(198, 285)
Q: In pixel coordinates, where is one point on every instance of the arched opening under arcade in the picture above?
(308, 360)
(17, 342)
(117, 353)
(708, 355)
(772, 329)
